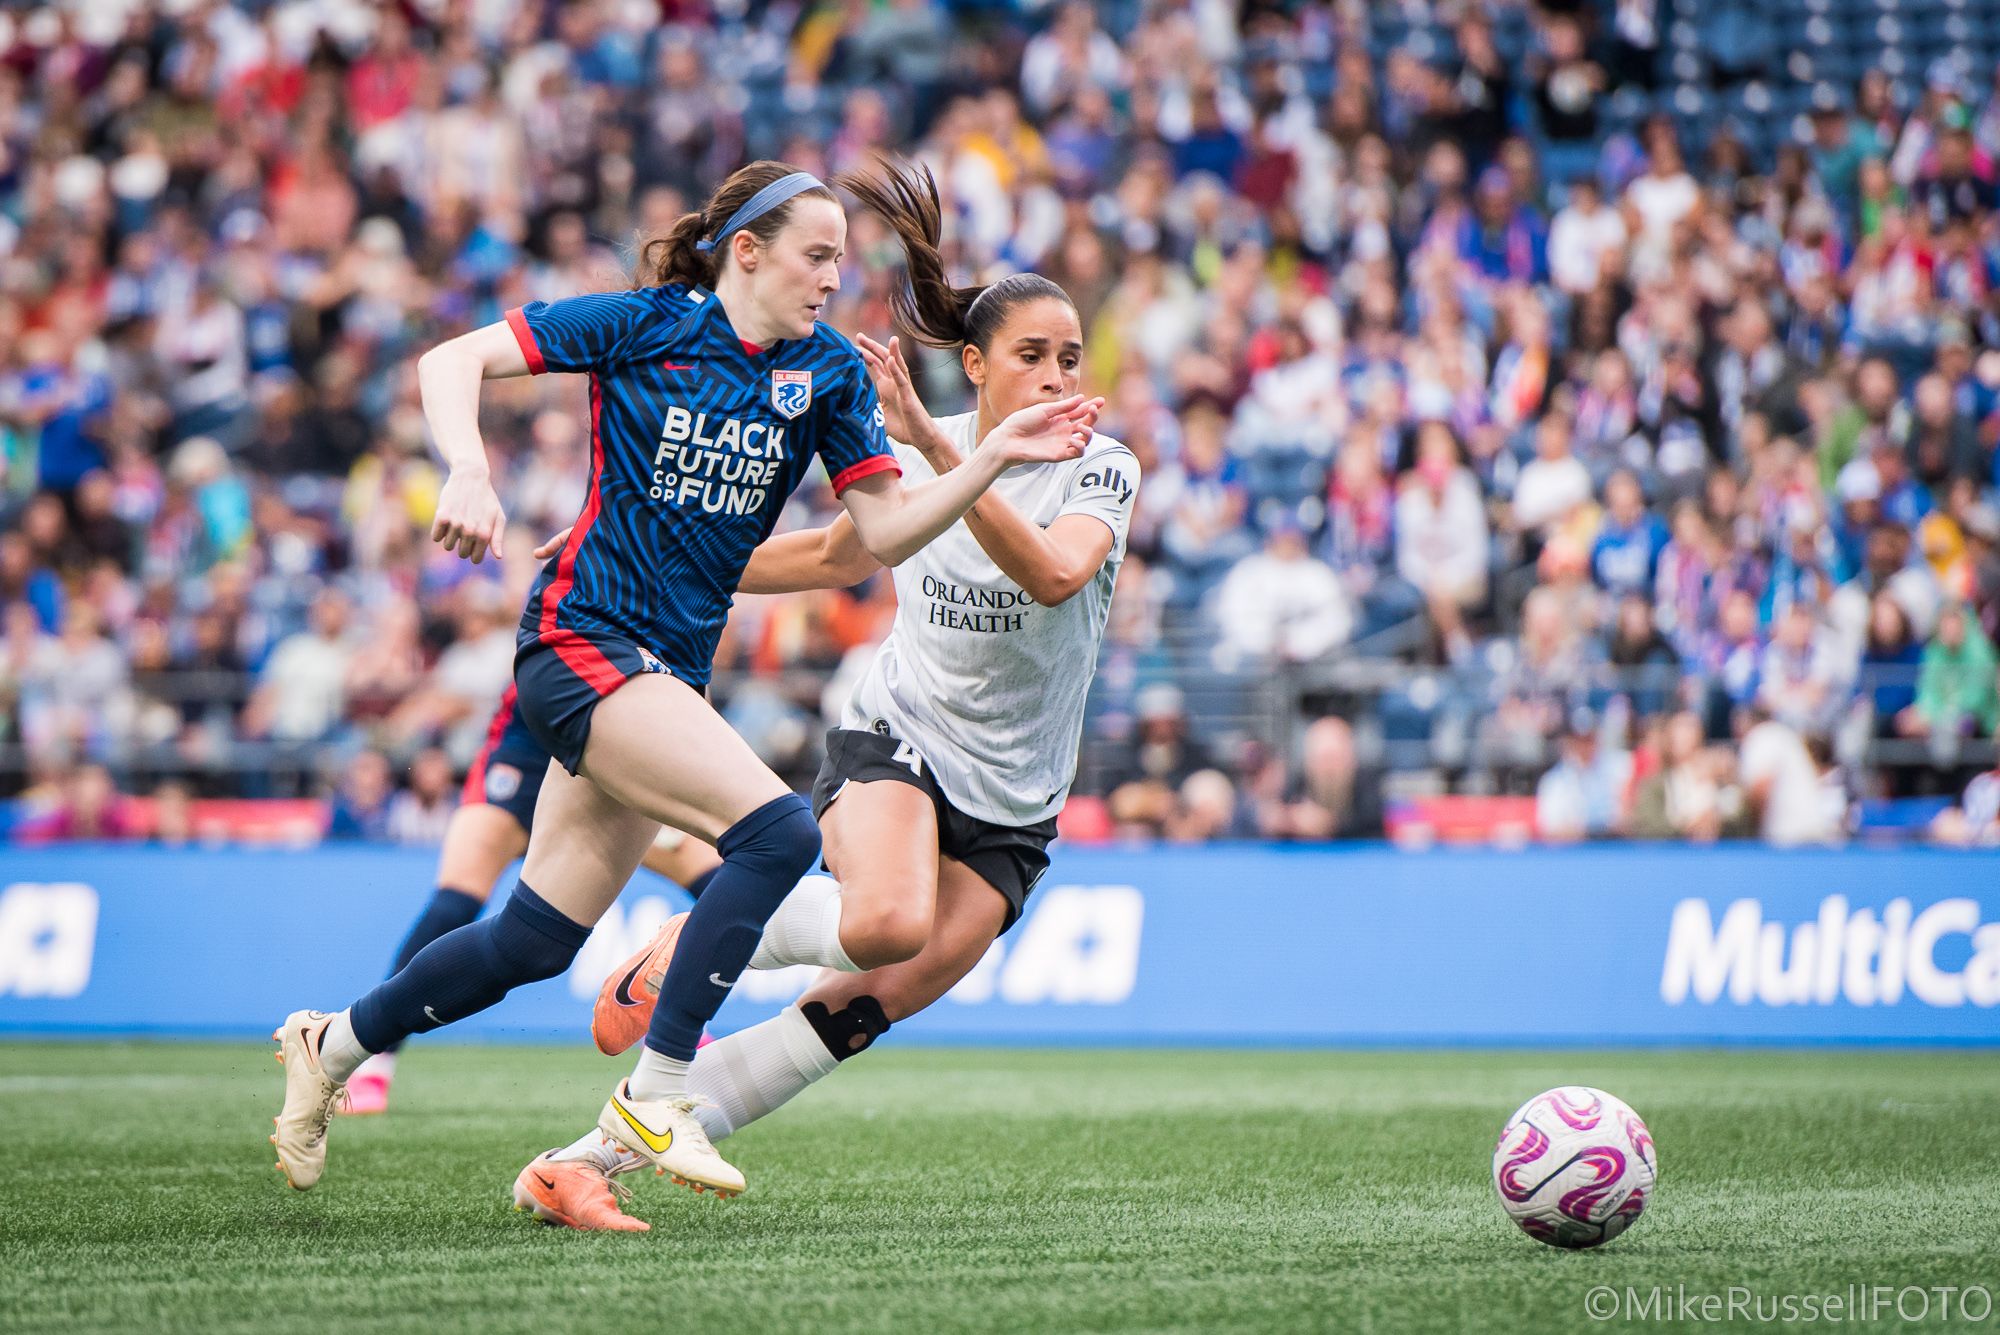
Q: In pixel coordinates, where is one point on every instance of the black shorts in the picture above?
(559, 680)
(1010, 858)
(510, 766)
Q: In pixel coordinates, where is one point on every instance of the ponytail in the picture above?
(671, 257)
(927, 304)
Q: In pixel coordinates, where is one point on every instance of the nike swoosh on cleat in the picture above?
(720, 981)
(545, 1182)
(657, 1142)
(623, 994)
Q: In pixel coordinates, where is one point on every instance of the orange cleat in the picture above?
(575, 1193)
(625, 1003)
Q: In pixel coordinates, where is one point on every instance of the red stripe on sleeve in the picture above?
(873, 464)
(518, 322)
(565, 575)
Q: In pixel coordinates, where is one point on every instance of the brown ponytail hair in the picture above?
(671, 257)
(935, 312)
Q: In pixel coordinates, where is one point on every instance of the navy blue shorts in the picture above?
(560, 684)
(508, 770)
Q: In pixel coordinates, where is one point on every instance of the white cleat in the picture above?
(667, 1134)
(311, 1097)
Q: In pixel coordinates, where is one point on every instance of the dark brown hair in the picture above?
(935, 312)
(671, 257)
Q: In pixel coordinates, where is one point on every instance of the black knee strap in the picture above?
(850, 1029)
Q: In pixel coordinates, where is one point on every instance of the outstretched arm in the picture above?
(469, 519)
(808, 558)
(894, 521)
(1050, 564)
(811, 558)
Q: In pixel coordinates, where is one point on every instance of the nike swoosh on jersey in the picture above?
(719, 981)
(677, 366)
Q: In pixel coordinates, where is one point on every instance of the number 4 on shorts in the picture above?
(907, 755)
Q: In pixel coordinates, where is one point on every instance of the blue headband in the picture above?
(761, 203)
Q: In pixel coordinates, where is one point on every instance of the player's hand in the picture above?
(469, 519)
(903, 413)
(553, 545)
(1046, 432)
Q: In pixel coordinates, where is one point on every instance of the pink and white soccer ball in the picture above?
(1575, 1167)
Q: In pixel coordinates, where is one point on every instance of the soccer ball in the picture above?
(1575, 1167)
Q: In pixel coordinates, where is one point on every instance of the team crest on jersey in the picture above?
(502, 782)
(791, 391)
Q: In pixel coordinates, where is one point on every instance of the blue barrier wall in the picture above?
(1227, 944)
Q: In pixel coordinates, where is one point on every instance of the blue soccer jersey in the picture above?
(697, 438)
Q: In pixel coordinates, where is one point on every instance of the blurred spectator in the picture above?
(1957, 693)
(1685, 797)
(1625, 558)
(91, 810)
(1206, 810)
(1554, 490)
(361, 801)
(1550, 672)
(1201, 503)
(1648, 670)
(173, 815)
(1731, 661)
(1799, 676)
(1281, 604)
(456, 701)
(1585, 239)
(1157, 761)
(300, 695)
(1584, 795)
(1441, 537)
(1784, 788)
(1975, 821)
(1890, 662)
(1333, 799)
(73, 689)
(418, 814)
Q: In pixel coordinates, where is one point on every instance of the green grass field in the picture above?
(950, 1190)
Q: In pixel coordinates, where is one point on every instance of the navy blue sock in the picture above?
(697, 884)
(763, 857)
(465, 971)
(448, 911)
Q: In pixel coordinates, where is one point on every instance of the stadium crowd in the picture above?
(1631, 386)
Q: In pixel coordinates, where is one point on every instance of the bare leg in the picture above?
(881, 843)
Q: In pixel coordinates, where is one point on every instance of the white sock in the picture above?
(340, 1052)
(657, 1077)
(601, 1149)
(805, 929)
(381, 1063)
(756, 1070)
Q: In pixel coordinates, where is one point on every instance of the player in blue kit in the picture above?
(489, 832)
(712, 389)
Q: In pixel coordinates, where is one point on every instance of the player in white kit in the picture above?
(938, 797)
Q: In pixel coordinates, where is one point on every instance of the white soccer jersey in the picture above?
(985, 684)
